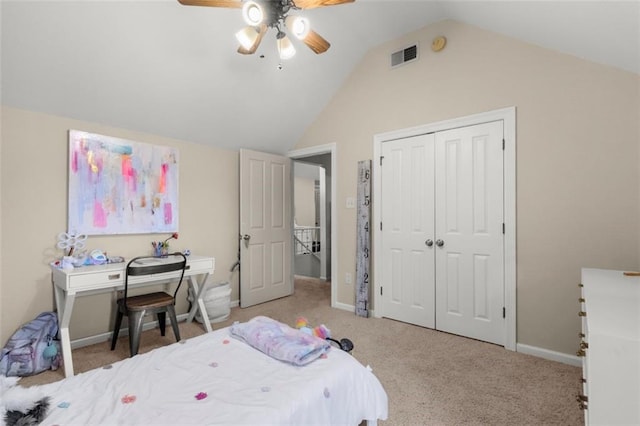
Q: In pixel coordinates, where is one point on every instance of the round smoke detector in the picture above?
(438, 43)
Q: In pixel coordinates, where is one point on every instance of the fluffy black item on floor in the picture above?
(31, 417)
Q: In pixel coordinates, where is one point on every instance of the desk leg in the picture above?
(64, 305)
(198, 290)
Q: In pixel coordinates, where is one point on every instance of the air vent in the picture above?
(403, 56)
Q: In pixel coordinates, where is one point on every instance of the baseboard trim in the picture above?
(104, 337)
(344, 307)
(520, 347)
(351, 308)
(548, 354)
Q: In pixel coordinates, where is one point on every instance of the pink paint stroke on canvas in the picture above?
(168, 213)
(162, 187)
(74, 161)
(118, 186)
(128, 173)
(99, 215)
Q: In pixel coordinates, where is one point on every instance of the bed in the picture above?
(218, 379)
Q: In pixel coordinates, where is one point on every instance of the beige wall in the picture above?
(578, 180)
(305, 201)
(34, 206)
(2, 296)
(577, 155)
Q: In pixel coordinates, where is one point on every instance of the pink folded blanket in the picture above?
(280, 341)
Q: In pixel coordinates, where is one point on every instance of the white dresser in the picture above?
(610, 347)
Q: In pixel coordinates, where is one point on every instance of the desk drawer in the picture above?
(201, 265)
(98, 279)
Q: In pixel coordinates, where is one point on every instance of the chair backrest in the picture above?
(147, 265)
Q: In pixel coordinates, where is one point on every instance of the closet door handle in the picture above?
(429, 243)
(439, 243)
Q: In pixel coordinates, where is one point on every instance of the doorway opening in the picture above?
(310, 220)
(315, 217)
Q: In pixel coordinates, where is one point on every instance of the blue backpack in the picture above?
(32, 349)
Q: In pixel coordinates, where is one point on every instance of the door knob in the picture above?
(439, 243)
(429, 243)
(246, 237)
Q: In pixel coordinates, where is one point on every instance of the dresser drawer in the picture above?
(610, 343)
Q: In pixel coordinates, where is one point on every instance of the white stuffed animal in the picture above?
(21, 406)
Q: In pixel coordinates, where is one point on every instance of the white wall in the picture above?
(577, 155)
(304, 201)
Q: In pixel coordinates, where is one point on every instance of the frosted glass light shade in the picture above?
(298, 26)
(247, 37)
(285, 48)
(252, 13)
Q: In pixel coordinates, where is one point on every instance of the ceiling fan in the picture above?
(260, 15)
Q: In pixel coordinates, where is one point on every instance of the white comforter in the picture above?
(215, 379)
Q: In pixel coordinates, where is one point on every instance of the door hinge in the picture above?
(503, 228)
(380, 291)
(381, 157)
(381, 226)
(504, 312)
(503, 144)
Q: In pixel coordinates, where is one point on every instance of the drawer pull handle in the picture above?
(581, 352)
(582, 398)
(582, 314)
(114, 276)
(187, 267)
(581, 300)
(584, 345)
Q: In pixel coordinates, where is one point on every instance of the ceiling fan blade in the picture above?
(316, 42)
(310, 4)
(250, 51)
(212, 3)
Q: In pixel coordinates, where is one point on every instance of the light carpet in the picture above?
(431, 378)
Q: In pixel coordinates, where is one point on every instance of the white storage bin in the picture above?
(217, 301)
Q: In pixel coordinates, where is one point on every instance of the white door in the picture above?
(407, 180)
(442, 231)
(265, 227)
(469, 232)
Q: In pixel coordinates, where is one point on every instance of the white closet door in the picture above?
(408, 224)
(265, 227)
(469, 227)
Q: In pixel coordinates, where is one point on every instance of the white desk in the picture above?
(88, 280)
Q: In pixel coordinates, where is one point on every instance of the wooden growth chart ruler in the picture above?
(363, 245)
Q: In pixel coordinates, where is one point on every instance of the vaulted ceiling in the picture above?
(172, 70)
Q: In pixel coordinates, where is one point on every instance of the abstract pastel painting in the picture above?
(118, 186)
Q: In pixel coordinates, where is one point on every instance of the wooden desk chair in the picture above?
(159, 303)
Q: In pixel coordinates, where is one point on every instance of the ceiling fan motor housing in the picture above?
(275, 11)
(263, 14)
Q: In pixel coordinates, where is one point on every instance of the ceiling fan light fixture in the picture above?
(285, 47)
(247, 37)
(252, 13)
(299, 26)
